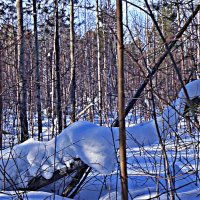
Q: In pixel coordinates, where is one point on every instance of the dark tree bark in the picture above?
(1, 90)
(121, 102)
(22, 73)
(39, 181)
(57, 68)
(37, 70)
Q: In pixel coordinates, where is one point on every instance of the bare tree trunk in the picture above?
(1, 90)
(22, 73)
(57, 69)
(49, 59)
(181, 40)
(36, 52)
(53, 97)
(99, 64)
(73, 78)
(105, 71)
(121, 102)
(198, 46)
(30, 103)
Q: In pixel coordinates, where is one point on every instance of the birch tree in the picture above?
(72, 60)
(99, 63)
(1, 100)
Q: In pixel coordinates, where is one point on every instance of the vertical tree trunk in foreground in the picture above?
(22, 73)
(73, 79)
(121, 102)
(37, 69)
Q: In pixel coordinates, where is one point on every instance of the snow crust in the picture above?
(30, 196)
(94, 145)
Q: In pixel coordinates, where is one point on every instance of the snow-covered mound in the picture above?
(173, 113)
(146, 133)
(93, 144)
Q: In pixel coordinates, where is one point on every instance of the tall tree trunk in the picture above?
(105, 66)
(181, 40)
(121, 102)
(1, 90)
(22, 73)
(53, 98)
(49, 61)
(198, 47)
(37, 68)
(30, 93)
(57, 68)
(72, 60)
(99, 64)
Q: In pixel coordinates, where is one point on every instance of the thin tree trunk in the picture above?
(181, 40)
(49, 79)
(57, 69)
(99, 64)
(22, 73)
(30, 104)
(1, 90)
(198, 47)
(53, 99)
(105, 71)
(121, 102)
(73, 79)
(37, 68)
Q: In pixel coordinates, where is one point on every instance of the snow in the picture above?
(151, 194)
(30, 196)
(171, 116)
(94, 145)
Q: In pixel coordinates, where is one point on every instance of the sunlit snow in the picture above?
(94, 145)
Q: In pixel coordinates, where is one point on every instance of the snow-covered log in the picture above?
(92, 144)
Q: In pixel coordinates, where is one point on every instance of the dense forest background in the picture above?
(65, 61)
(68, 62)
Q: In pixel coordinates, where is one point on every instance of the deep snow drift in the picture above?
(94, 145)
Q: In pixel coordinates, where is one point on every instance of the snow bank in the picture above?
(93, 144)
(172, 115)
(89, 142)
